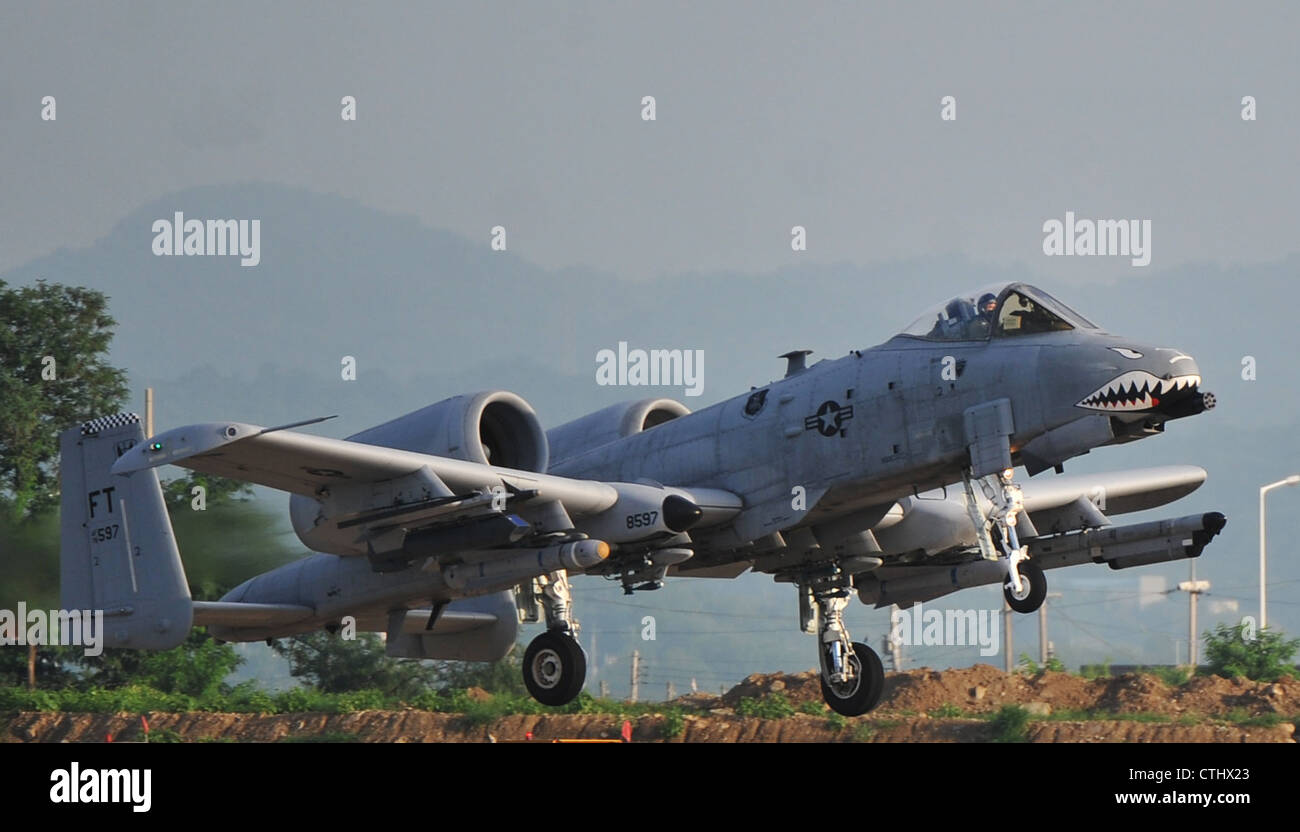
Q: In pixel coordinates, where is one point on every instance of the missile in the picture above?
(503, 568)
(1118, 546)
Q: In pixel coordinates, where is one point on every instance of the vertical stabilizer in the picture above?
(118, 553)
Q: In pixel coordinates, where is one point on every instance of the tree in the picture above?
(334, 664)
(53, 375)
(198, 667)
(179, 493)
(1265, 658)
(503, 676)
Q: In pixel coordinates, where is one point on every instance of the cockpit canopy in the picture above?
(997, 311)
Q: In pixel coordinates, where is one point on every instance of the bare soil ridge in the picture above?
(917, 706)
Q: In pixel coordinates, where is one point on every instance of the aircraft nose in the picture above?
(1147, 380)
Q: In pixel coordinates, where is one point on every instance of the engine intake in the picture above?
(494, 427)
(611, 424)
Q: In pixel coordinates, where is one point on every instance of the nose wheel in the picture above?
(1025, 586)
(1033, 588)
(555, 668)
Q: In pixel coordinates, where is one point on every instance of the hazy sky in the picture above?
(528, 115)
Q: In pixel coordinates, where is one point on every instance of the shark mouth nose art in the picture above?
(1139, 390)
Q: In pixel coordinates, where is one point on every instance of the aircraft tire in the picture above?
(871, 683)
(1032, 599)
(555, 668)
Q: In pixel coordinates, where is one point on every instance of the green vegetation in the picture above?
(771, 706)
(813, 708)
(836, 721)
(1266, 657)
(1173, 676)
(334, 665)
(946, 711)
(1011, 724)
(1030, 667)
(864, 732)
(674, 725)
(1096, 671)
(53, 374)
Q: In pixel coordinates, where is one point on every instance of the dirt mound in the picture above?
(985, 689)
(797, 687)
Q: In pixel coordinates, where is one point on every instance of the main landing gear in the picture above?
(852, 677)
(1025, 586)
(555, 666)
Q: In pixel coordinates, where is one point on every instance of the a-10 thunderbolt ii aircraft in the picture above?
(887, 472)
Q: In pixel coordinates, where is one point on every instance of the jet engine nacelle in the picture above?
(611, 424)
(494, 427)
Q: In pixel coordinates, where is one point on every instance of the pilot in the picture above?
(982, 325)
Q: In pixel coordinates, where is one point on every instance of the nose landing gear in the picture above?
(1025, 586)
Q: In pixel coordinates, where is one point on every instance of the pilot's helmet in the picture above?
(988, 302)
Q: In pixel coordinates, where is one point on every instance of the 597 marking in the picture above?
(645, 518)
(103, 534)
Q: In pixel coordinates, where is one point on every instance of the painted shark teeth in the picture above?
(1137, 390)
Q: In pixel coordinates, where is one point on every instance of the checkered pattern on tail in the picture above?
(94, 426)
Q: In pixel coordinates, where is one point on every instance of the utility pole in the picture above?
(1007, 621)
(694, 687)
(893, 646)
(1193, 588)
(604, 689)
(148, 412)
(636, 673)
(1045, 651)
(672, 692)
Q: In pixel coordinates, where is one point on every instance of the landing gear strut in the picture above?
(852, 677)
(555, 666)
(1025, 586)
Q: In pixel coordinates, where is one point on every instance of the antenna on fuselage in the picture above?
(796, 361)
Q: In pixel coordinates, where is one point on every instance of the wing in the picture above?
(304, 464)
(394, 505)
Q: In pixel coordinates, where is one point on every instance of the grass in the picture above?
(674, 725)
(1011, 724)
(946, 711)
(1175, 677)
(771, 706)
(140, 699)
